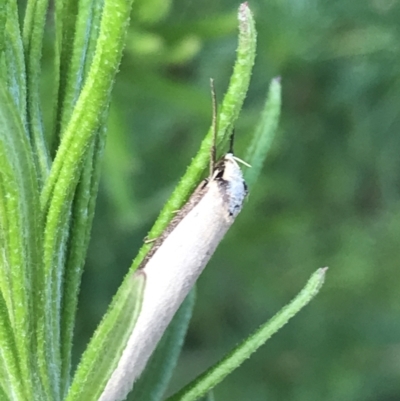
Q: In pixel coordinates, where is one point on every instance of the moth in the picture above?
(176, 260)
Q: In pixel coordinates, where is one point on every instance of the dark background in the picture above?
(328, 196)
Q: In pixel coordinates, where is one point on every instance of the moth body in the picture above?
(174, 264)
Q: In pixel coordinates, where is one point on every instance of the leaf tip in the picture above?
(321, 272)
(244, 14)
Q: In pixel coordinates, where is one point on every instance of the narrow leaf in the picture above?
(3, 19)
(65, 16)
(33, 30)
(230, 109)
(78, 30)
(93, 100)
(3, 395)
(85, 121)
(97, 11)
(264, 133)
(79, 24)
(80, 228)
(107, 344)
(20, 247)
(14, 68)
(214, 375)
(154, 380)
(10, 375)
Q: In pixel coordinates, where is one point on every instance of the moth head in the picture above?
(229, 169)
(230, 179)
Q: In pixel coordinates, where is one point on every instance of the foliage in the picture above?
(48, 187)
(328, 195)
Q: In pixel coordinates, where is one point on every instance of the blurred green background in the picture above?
(329, 194)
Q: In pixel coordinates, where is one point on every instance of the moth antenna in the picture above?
(233, 157)
(241, 161)
(213, 149)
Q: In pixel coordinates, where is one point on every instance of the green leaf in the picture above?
(33, 29)
(21, 241)
(264, 133)
(83, 126)
(14, 60)
(97, 11)
(214, 375)
(3, 395)
(229, 111)
(92, 102)
(77, 27)
(78, 241)
(12, 65)
(10, 375)
(153, 382)
(65, 17)
(107, 344)
(3, 19)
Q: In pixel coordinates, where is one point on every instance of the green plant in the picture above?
(48, 186)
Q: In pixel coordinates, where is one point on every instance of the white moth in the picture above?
(175, 262)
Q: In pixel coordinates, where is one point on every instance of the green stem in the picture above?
(209, 379)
